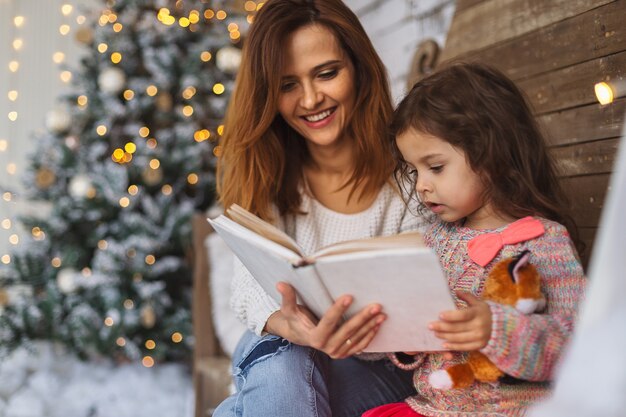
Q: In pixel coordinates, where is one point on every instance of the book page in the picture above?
(263, 228)
(409, 284)
(403, 240)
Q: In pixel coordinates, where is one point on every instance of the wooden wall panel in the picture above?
(600, 32)
(587, 158)
(586, 195)
(572, 86)
(496, 21)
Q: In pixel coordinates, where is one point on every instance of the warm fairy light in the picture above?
(124, 202)
(209, 14)
(6, 259)
(6, 224)
(144, 132)
(116, 57)
(37, 233)
(152, 143)
(152, 90)
(118, 154)
(130, 147)
(150, 259)
(65, 76)
(201, 135)
(120, 341)
(109, 322)
(131, 253)
(80, 19)
(220, 130)
(217, 151)
(3, 145)
(604, 93)
(127, 157)
(91, 192)
(258, 6)
(187, 111)
(12, 116)
(14, 66)
(192, 178)
(147, 361)
(58, 57)
(218, 88)
(112, 18)
(205, 56)
(66, 9)
(133, 190)
(166, 189)
(234, 35)
(86, 271)
(250, 6)
(129, 304)
(64, 29)
(103, 20)
(184, 22)
(18, 21)
(102, 47)
(12, 95)
(194, 16)
(177, 337)
(6, 196)
(221, 15)
(129, 94)
(56, 262)
(101, 130)
(14, 239)
(155, 163)
(102, 244)
(232, 27)
(17, 44)
(189, 92)
(250, 19)
(150, 344)
(11, 168)
(117, 27)
(82, 100)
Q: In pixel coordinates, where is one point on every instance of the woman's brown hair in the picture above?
(479, 110)
(262, 157)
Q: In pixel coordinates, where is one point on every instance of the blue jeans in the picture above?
(275, 378)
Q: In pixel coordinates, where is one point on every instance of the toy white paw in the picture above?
(527, 305)
(440, 380)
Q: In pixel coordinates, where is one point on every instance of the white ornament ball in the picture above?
(80, 186)
(58, 120)
(112, 80)
(66, 280)
(228, 59)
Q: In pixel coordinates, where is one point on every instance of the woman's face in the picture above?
(317, 91)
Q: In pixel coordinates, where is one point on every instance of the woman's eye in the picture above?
(436, 168)
(284, 87)
(328, 74)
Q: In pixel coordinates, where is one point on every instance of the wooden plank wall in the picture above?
(556, 51)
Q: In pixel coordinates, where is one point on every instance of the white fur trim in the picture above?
(440, 380)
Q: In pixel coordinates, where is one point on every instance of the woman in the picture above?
(305, 147)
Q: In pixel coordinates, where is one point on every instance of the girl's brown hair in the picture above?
(481, 111)
(262, 157)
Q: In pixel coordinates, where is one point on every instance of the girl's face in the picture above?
(445, 182)
(317, 86)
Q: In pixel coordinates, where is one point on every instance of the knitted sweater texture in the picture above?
(318, 228)
(526, 347)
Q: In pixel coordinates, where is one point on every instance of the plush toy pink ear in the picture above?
(521, 260)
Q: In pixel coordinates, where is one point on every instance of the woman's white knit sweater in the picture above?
(318, 228)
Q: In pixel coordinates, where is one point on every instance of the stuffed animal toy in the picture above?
(514, 282)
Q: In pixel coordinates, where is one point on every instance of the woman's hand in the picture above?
(466, 329)
(330, 334)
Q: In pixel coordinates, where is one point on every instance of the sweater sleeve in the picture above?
(252, 305)
(530, 346)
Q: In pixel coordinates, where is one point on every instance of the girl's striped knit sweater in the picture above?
(526, 347)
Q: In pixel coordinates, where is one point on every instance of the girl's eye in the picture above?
(287, 86)
(328, 74)
(436, 168)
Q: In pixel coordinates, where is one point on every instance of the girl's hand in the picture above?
(467, 329)
(330, 334)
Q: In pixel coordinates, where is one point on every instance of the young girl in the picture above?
(467, 138)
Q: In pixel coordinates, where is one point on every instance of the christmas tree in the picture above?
(124, 163)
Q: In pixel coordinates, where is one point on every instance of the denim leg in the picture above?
(276, 378)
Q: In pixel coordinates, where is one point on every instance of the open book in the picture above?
(399, 272)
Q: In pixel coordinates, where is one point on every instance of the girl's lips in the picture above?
(321, 123)
(435, 208)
